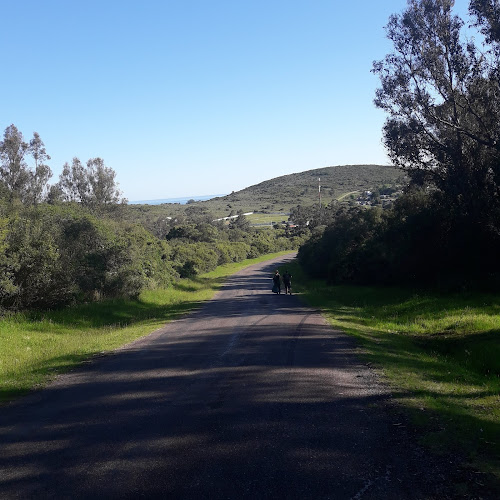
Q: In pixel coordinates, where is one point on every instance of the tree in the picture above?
(487, 14)
(42, 173)
(73, 182)
(442, 95)
(240, 222)
(102, 182)
(93, 185)
(14, 171)
(28, 185)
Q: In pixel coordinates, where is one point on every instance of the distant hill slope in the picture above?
(282, 193)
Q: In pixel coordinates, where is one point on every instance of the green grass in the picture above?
(439, 353)
(345, 195)
(266, 218)
(283, 193)
(35, 347)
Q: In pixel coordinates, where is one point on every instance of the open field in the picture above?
(439, 353)
(267, 218)
(35, 347)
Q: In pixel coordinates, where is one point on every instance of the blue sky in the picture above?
(192, 97)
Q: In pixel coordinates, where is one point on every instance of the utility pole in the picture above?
(319, 195)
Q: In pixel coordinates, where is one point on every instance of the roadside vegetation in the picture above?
(440, 353)
(439, 346)
(78, 276)
(75, 258)
(441, 91)
(72, 242)
(35, 346)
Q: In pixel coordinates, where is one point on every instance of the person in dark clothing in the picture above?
(287, 281)
(277, 282)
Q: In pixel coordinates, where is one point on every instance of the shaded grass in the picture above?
(440, 354)
(34, 347)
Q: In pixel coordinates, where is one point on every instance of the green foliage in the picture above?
(199, 246)
(7, 287)
(32, 260)
(195, 258)
(240, 222)
(36, 345)
(93, 185)
(442, 95)
(17, 180)
(57, 254)
(65, 253)
(232, 252)
(417, 241)
(54, 255)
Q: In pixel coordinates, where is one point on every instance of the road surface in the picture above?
(251, 396)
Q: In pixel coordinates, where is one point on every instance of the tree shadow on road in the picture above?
(261, 400)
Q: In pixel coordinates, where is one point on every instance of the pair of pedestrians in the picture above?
(287, 282)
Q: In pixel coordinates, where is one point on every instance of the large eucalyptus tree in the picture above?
(92, 185)
(28, 184)
(441, 89)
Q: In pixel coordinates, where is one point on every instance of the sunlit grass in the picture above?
(35, 347)
(345, 195)
(261, 218)
(439, 352)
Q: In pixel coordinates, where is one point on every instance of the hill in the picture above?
(287, 191)
(282, 193)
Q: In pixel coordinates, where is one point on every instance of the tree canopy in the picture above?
(22, 182)
(442, 93)
(92, 185)
(440, 87)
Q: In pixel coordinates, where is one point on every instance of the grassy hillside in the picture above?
(282, 193)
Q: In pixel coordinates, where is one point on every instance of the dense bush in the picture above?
(418, 241)
(441, 90)
(232, 252)
(57, 255)
(52, 255)
(201, 247)
(71, 242)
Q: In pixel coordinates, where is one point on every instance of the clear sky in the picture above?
(196, 97)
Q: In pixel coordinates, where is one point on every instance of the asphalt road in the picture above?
(251, 396)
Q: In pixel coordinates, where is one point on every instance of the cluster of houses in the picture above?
(368, 198)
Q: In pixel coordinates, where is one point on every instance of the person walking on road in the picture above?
(287, 281)
(277, 282)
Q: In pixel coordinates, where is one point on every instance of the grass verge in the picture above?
(440, 354)
(34, 347)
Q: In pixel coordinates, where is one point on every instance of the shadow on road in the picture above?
(251, 396)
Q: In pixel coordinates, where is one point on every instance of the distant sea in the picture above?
(181, 201)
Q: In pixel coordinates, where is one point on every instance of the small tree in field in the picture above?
(240, 222)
